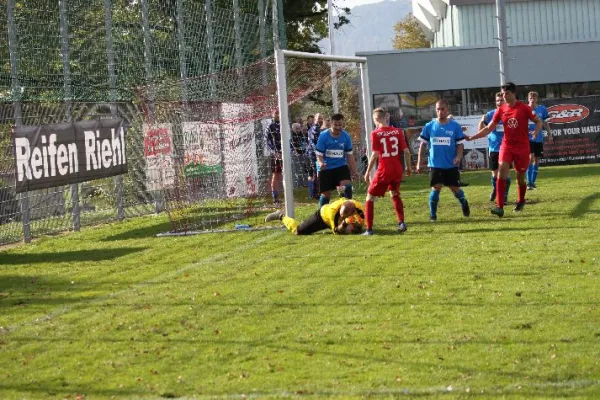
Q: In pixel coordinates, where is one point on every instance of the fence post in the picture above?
(210, 46)
(17, 112)
(112, 81)
(68, 98)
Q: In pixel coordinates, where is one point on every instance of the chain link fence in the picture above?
(76, 60)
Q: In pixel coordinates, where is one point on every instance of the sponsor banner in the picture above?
(470, 126)
(158, 151)
(202, 149)
(475, 159)
(239, 156)
(60, 154)
(575, 128)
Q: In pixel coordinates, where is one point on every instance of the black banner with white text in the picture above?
(60, 154)
(575, 126)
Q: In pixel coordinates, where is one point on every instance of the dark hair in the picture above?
(310, 116)
(337, 117)
(498, 94)
(509, 86)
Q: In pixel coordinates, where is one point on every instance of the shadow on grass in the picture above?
(584, 206)
(141, 233)
(68, 256)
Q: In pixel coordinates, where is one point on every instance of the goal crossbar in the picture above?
(280, 56)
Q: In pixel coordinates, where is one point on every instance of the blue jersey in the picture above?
(442, 139)
(312, 138)
(542, 114)
(495, 138)
(333, 149)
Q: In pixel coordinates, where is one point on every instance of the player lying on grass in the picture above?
(343, 217)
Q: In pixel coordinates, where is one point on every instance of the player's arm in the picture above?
(372, 160)
(538, 125)
(351, 163)
(320, 152)
(407, 163)
(459, 153)
(547, 127)
(481, 122)
(422, 147)
(486, 130)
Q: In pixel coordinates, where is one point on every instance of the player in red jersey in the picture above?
(515, 117)
(387, 143)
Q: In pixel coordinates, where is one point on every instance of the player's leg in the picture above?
(328, 182)
(376, 189)
(504, 161)
(451, 180)
(345, 180)
(276, 169)
(394, 189)
(538, 153)
(312, 224)
(311, 177)
(530, 166)
(493, 155)
(435, 182)
(522, 162)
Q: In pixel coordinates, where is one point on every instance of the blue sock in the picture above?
(460, 195)
(323, 200)
(534, 174)
(530, 174)
(311, 189)
(493, 185)
(434, 198)
(507, 189)
(348, 191)
(275, 194)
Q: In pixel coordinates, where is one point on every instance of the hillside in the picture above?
(371, 28)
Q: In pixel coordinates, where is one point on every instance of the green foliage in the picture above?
(409, 34)
(485, 307)
(306, 23)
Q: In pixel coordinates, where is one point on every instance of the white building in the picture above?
(554, 49)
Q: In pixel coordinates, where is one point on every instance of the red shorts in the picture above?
(519, 156)
(380, 184)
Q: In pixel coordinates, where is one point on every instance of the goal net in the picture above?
(209, 155)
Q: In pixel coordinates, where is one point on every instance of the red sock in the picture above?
(500, 188)
(522, 190)
(369, 213)
(399, 207)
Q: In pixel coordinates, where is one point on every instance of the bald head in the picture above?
(347, 209)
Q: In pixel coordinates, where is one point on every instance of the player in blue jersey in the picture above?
(335, 162)
(444, 136)
(495, 140)
(536, 144)
(273, 140)
(311, 142)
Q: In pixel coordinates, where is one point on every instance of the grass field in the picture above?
(479, 307)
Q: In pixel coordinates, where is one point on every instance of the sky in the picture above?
(354, 3)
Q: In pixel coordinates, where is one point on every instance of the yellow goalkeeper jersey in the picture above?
(330, 213)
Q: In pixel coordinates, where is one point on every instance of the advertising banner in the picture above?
(158, 152)
(241, 162)
(202, 149)
(60, 154)
(575, 127)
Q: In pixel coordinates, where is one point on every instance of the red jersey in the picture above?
(516, 123)
(389, 143)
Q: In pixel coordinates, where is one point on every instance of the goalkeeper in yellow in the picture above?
(343, 217)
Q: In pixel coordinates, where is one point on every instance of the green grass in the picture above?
(479, 307)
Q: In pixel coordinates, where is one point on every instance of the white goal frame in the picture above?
(280, 56)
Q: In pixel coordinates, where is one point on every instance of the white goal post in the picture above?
(280, 57)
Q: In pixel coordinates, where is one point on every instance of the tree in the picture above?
(409, 34)
(306, 23)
